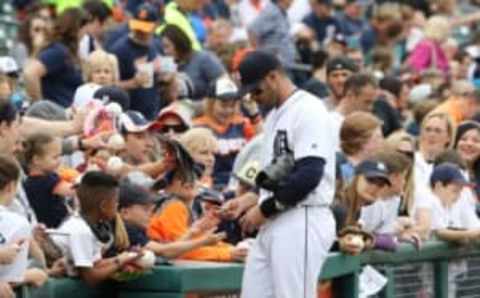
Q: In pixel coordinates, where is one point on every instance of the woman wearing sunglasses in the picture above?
(173, 121)
(232, 130)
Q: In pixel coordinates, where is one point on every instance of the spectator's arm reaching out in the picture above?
(31, 125)
(104, 269)
(33, 73)
(458, 236)
(178, 248)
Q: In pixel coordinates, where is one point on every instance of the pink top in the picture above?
(424, 55)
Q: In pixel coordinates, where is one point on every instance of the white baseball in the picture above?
(147, 261)
(114, 165)
(116, 142)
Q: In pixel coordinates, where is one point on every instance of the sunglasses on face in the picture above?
(177, 128)
(380, 182)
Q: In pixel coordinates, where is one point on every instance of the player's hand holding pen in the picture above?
(252, 220)
(234, 208)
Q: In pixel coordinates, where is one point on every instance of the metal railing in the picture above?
(438, 270)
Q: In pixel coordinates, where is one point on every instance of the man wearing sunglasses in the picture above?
(294, 215)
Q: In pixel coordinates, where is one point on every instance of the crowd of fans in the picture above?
(122, 128)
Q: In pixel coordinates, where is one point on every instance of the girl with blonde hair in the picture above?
(99, 70)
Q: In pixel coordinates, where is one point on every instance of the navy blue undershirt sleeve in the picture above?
(306, 175)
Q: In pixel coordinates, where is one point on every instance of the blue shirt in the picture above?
(63, 76)
(143, 100)
(324, 28)
(272, 32)
(203, 68)
(136, 235)
(350, 26)
(49, 208)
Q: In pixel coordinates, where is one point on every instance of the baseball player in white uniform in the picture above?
(296, 226)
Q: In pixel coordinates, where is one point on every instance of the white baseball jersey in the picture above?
(14, 227)
(78, 243)
(299, 238)
(303, 126)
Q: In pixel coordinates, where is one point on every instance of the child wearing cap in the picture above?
(84, 236)
(136, 206)
(452, 222)
(233, 131)
(175, 219)
(9, 77)
(367, 187)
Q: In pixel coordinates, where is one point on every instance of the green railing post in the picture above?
(440, 277)
(347, 286)
(389, 290)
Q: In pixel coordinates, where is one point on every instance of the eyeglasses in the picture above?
(177, 128)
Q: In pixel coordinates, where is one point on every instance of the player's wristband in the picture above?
(271, 207)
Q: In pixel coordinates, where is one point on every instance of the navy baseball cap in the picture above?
(341, 63)
(144, 19)
(447, 173)
(131, 194)
(254, 68)
(372, 169)
(133, 122)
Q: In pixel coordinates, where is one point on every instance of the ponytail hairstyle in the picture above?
(9, 171)
(33, 146)
(350, 198)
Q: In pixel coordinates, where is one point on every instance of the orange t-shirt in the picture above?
(454, 107)
(173, 221)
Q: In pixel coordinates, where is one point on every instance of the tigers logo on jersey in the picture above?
(280, 144)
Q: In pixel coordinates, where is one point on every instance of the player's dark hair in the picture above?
(9, 171)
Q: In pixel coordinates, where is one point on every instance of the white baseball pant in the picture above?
(287, 256)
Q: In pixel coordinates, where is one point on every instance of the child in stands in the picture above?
(136, 205)
(85, 235)
(46, 191)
